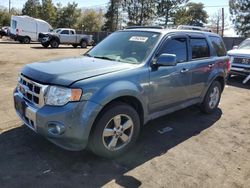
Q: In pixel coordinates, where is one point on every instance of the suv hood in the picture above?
(67, 71)
(239, 52)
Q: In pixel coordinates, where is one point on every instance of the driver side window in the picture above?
(177, 46)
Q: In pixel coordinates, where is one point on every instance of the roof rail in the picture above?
(145, 27)
(190, 27)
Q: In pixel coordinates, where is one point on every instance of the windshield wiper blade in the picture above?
(104, 57)
(88, 55)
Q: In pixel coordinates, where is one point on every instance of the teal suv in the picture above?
(104, 97)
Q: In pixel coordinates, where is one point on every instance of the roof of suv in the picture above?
(166, 31)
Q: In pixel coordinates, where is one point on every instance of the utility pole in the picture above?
(9, 5)
(223, 19)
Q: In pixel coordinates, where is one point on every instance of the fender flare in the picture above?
(119, 89)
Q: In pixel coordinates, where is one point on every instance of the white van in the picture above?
(26, 29)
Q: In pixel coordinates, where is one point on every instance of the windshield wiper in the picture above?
(103, 57)
(88, 55)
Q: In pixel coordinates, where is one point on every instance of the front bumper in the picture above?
(239, 70)
(77, 118)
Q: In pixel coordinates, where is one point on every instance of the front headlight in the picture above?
(59, 96)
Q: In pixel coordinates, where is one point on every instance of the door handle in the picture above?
(211, 65)
(184, 70)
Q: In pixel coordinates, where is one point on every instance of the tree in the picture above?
(91, 20)
(112, 15)
(32, 8)
(48, 11)
(140, 12)
(193, 14)
(168, 8)
(240, 16)
(68, 16)
(4, 17)
(215, 22)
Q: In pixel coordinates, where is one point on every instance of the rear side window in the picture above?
(200, 48)
(177, 46)
(218, 46)
(65, 32)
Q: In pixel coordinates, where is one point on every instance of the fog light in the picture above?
(56, 128)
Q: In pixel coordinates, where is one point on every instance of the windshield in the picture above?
(129, 46)
(56, 30)
(245, 44)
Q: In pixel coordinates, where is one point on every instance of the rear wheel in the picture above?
(83, 44)
(54, 44)
(212, 98)
(26, 40)
(74, 45)
(115, 131)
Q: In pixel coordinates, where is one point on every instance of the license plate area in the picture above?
(20, 106)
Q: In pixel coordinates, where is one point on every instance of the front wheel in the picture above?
(54, 44)
(115, 131)
(212, 98)
(26, 40)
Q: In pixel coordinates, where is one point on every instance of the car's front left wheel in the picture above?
(115, 131)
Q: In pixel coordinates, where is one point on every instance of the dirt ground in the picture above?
(196, 150)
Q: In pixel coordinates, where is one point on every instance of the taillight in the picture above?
(228, 65)
(17, 31)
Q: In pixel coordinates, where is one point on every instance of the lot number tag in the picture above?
(138, 39)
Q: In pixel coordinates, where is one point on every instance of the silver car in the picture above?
(240, 60)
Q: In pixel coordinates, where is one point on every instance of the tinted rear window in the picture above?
(218, 46)
(199, 48)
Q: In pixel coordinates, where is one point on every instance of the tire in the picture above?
(45, 45)
(84, 44)
(74, 45)
(212, 98)
(54, 44)
(26, 40)
(118, 139)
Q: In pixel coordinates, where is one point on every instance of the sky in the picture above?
(210, 5)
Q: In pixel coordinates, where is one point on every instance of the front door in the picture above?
(170, 84)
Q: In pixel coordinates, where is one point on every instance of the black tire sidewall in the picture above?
(52, 44)
(26, 40)
(205, 105)
(96, 144)
(84, 44)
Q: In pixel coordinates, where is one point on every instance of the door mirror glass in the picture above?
(166, 60)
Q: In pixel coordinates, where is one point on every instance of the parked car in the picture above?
(240, 60)
(25, 29)
(103, 98)
(65, 36)
(4, 31)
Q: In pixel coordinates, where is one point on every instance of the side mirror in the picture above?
(166, 60)
(235, 47)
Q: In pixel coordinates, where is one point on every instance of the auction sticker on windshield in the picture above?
(138, 39)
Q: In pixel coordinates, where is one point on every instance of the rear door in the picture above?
(202, 63)
(170, 85)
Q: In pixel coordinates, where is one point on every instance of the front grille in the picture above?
(241, 60)
(31, 91)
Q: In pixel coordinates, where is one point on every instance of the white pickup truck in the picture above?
(64, 36)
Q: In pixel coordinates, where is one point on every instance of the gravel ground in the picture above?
(195, 150)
